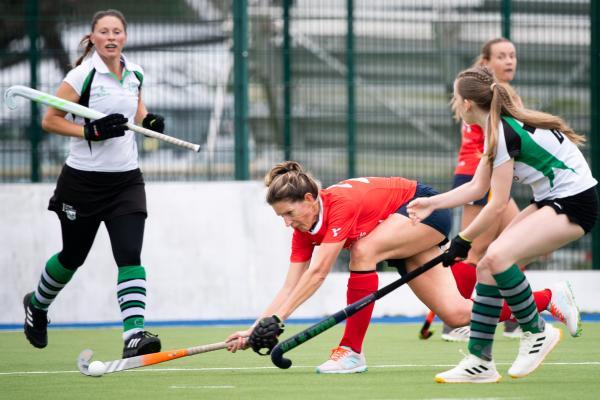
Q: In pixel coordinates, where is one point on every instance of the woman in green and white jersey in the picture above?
(100, 182)
(537, 149)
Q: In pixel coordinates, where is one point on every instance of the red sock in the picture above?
(542, 299)
(465, 275)
(359, 286)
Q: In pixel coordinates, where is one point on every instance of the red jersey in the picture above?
(471, 148)
(350, 210)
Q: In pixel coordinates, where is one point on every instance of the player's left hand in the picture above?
(265, 334)
(419, 209)
(154, 122)
(458, 251)
(238, 340)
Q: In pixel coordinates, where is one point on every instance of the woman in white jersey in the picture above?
(100, 181)
(536, 149)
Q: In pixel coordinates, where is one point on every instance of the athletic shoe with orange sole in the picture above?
(564, 309)
(343, 360)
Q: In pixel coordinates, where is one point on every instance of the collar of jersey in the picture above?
(319, 223)
(102, 68)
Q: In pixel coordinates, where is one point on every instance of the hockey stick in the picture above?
(323, 325)
(425, 333)
(84, 359)
(84, 112)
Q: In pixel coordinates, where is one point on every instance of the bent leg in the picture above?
(437, 289)
(77, 237)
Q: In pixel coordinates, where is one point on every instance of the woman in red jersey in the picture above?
(368, 217)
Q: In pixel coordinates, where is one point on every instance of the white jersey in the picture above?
(107, 95)
(545, 159)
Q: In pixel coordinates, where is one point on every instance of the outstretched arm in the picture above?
(295, 272)
(301, 283)
(312, 279)
(501, 184)
(422, 207)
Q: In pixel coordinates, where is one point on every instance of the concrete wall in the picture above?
(212, 251)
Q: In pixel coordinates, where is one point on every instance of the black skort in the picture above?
(101, 195)
(581, 208)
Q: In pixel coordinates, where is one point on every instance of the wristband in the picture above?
(460, 235)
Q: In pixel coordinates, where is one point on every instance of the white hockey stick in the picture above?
(81, 111)
(84, 359)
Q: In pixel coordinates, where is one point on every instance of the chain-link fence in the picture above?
(347, 87)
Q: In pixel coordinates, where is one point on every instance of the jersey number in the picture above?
(558, 135)
(347, 185)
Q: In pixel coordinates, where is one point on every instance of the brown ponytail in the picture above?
(287, 181)
(87, 48)
(478, 85)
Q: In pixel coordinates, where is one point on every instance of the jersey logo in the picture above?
(336, 231)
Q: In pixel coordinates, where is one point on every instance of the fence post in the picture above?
(595, 114)
(351, 125)
(506, 18)
(240, 83)
(287, 82)
(32, 24)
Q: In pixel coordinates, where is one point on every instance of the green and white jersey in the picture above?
(546, 160)
(108, 95)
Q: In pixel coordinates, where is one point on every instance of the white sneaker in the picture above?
(343, 361)
(534, 347)
(471, 369)
(457, 334)
(564, 309)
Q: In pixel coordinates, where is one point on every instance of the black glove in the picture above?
(111, 126)
(154, 122)
(458, 250)
(265, 333)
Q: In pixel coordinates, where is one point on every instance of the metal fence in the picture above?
(347, 87)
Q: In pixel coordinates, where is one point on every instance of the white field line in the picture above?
(202, 387)
(150, 369)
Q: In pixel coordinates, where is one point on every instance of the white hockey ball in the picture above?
(97, 368)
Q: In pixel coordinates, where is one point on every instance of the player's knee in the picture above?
(491, 261)
(456, 319)
(362, 254)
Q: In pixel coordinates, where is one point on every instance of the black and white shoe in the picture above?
(533, 348)
(471, 369)
(36, 323)
(141, 343)
(460, 334)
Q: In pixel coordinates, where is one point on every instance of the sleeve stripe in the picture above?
(512, 138)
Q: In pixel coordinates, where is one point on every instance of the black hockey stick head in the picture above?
(278, 359)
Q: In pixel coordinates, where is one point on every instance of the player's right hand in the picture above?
(419, 209)
(113, 125)
(238, 340)
(457, 251)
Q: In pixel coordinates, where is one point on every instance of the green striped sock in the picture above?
(131, 293)
(54, 278)
(515, 289)
(487, 306)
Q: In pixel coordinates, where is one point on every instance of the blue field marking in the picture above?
(228, 322)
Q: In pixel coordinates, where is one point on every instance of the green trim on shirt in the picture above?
(534, 155)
